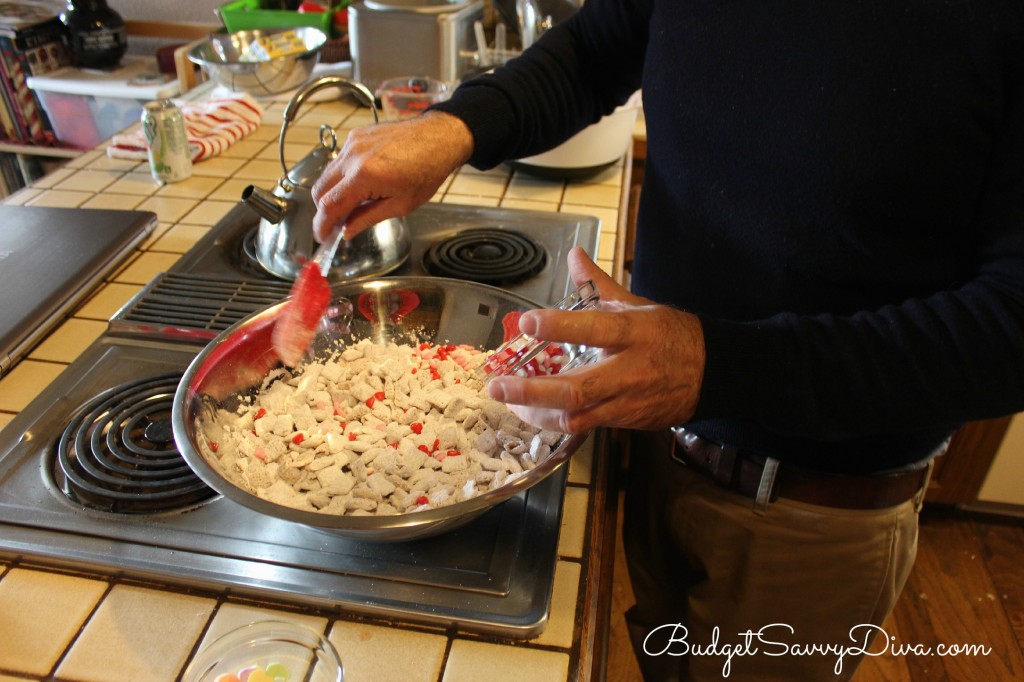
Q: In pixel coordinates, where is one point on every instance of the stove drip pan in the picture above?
(246, 258)
(118, 453)
(489, 256)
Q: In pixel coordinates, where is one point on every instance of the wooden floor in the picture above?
(967, 587)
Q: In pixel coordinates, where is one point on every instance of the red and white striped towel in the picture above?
(211, 126)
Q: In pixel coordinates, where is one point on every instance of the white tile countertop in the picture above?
(61, 624)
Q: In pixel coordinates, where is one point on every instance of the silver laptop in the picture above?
(51, 259)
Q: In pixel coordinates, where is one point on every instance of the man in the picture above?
(828, 280)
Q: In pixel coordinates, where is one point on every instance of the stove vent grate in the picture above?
(185, 307)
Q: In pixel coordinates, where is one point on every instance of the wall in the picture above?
(177, 11)
(1005, 481)
(199, 12)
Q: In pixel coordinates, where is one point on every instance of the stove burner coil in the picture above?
(118, 453)
(486, 255)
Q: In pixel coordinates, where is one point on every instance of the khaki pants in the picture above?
(724, 591)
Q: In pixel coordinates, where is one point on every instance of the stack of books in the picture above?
(32, 43)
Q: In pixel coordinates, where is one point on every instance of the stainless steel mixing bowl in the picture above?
(222, 57)
(449, 311)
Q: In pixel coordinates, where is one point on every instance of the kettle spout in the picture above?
(271, 207)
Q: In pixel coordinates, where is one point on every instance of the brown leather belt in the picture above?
(742, 472)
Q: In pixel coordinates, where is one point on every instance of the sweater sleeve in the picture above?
(578, 71)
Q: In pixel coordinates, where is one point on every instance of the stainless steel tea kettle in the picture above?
(284, 241)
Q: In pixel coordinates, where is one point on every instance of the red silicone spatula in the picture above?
(279, 334)
(298, 321)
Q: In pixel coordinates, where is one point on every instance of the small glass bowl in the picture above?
(267, 651)
(409, 96)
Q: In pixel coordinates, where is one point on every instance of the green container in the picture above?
(246, 15)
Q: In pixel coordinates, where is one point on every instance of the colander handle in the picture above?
(290, 111)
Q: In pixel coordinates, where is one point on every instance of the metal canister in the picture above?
(164, 127)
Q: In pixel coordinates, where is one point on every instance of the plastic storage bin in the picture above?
(246, 15)
(86, 106)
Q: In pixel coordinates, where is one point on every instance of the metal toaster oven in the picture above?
(391, 38)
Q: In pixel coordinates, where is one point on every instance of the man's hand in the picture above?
(388, 170)
(648, 375)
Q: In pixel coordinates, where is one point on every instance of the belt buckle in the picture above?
(711, 459)
(726, 466)
(677, 433)
(684, 438)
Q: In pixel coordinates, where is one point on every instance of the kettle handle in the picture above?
(307, 91)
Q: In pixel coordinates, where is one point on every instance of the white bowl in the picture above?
(589, 151)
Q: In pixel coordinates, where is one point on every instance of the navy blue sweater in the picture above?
(836, 189)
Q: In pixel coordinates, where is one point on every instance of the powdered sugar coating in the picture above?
(380, 429)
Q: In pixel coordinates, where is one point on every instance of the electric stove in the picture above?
(90, 477)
